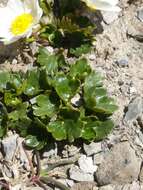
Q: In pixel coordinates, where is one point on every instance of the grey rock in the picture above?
(140, 14)
(86, 164)
(120, 166)
(135, 109)
(109, 17)
(122, 62)
(9, 145)
(92, 148)
(78, 175)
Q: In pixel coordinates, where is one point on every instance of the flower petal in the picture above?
(36, 11)
(106, 5)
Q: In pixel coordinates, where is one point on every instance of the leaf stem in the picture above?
(48, 180)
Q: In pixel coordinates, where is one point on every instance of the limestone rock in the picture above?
(135, 109)
(92, 148)
(120, 166)
(78, 175)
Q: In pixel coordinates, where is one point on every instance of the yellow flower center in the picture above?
(21, 23)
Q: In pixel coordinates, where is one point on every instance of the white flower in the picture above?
(105, 5)
(18, 18)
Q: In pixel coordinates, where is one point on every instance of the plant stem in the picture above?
(48, 180)
(29, 160)
(38, 162)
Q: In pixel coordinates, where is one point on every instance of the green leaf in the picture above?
(58, 130)
(11, 99)
(21, 125)
(65, 87)
(79, 51)
(67, 129)
(96, 130)
(33, 142)
(80, 69)
(102, 129)
(44, 106)
(95, 95)
(73, 130)
(4, 79)
(17, 83)
(93, 80)
(88, 132)
(32, 82)
(50, 62)
(3, 120)
(19, 112)
(105, 105)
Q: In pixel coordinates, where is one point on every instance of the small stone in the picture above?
(50, 49)
(9, 145)
(92, 57)
(132, 90)
(107, 187)
(50, 150)
(135, 186)
(120, 82)
(69, 182)
(92, 148)
(78, 175)
(98, 158)
(70, 150)
(86, 164)
(14, 61)
(118, 166)
(76, 100)
(109, 17)
(34, 48)
(122, 63)
(85, 186)
(135, 109)
(140, 14)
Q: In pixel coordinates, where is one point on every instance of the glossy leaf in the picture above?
(11, 99)
(4, 79)
(32, 83)
(33, 142)
(80, 69)
(3, 120)
(79, 51)
(67, 129)
(44, 106)
(50, 62)
(19, 112)
(97, 130)
(65, 87)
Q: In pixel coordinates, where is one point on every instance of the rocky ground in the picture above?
(116, 162)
